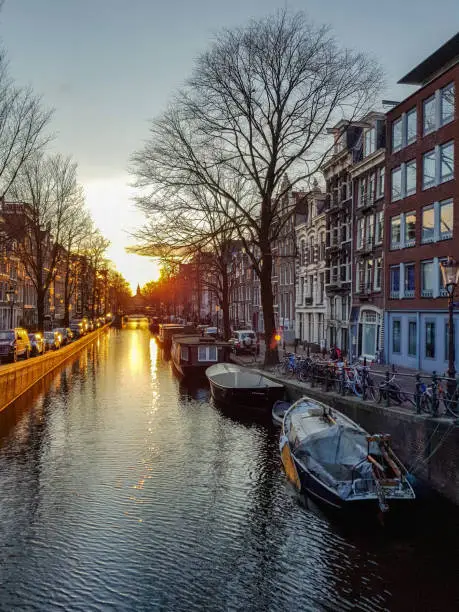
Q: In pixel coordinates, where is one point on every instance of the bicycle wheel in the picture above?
(371, 391)
(425, 403)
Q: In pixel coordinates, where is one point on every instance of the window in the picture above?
(370, 229)
(360, 233)
(410, 229)
(395, 232)
(396, 328)
(207, 353)
(447, 104)
(428, 169)
(404, 180)
(368, 273)
(381, 174)
(396, 184)
(427, 279)
(371, 189)
(438, 165)
(395, 282)
(184, 353)
(428, 224)
(369, 141)
(430, 339)
(361, 193)
(429, 115)
(378, 273)
(412, 339)
(437, 221)
(397, 133)
(446, 162)
(410, 178)
(409, 280)
(446, 219)
(379, 227)
(411, 126)
(358, 276)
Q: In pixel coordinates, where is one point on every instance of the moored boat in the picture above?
(279, 410)
(240, 387)
(330, 457)
(193, 354)
(167, 330)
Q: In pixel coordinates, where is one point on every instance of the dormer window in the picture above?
(369, 141)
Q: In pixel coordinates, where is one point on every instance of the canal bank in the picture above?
(17, 378)
(428, 446)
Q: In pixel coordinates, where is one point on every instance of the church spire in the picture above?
(138, 290)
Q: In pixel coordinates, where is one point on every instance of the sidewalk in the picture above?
(405, 377)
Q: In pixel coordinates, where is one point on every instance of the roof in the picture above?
(198, 340)
(442, 57)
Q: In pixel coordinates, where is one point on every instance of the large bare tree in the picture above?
(257, 106)
(46, 194)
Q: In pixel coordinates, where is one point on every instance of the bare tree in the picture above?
(94, 249)
(256, 107)
(45, 190)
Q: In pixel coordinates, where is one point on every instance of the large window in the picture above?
(397, 132)
(437, 221)
(428, 224)
(409, 280)
(428, 169)
(404, 130)
(360, 228)
(396, 336)
(410, 229)
(446, 219)
(447, 104)
(446, 162)
(395, 233)
(429, 120)
(395, 282)
(369, 141)
(396, 184)
(410, 177)
(207, 353)
(430, 339)
(438, 165)
(412, 338)
(427, 279)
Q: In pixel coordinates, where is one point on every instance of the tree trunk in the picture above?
(267, 301)
(41, 309)
(67, 296)
(225, 304)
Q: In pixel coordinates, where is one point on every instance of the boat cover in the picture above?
(234, 377)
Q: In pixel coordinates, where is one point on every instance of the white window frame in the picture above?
(396, 245)
(409, 242)
(379, 223)
(378, 271)
(437, 235)
(442, 90)
(403, 122)
(208, 350)
(380, 182)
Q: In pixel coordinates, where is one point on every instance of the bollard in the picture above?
(386, 387)
(343, 379)
(417, 395)
(364, 362)
(434, 393)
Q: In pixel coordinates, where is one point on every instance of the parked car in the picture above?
(91, 325)
(52, 340)
(37, 344)
(77, 328)
(66, 334)
(245, 341)
(14, 343)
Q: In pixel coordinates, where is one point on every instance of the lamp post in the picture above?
(11, 293)
(450, 274)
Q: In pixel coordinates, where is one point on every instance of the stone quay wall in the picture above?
(16, 378)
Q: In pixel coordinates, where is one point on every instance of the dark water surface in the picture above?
(122, 488)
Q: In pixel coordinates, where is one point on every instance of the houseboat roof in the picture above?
(198, 339)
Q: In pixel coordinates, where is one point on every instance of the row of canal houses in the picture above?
(358, 266)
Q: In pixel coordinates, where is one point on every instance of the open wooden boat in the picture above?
(279, 410)
(328, 456)
(240, 387)
(193, 354)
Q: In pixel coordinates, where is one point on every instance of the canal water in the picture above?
(121, 488)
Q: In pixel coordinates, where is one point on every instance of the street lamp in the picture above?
(450, 274)
(11, 293)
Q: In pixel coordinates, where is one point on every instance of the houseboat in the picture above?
(167, 330)
(193, 354)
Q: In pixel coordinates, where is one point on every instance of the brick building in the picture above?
(422, 215)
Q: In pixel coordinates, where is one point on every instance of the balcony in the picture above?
(367, 247)
(365, 292)
(427, 293)
(367, 203)
(308, 300)
(395, 294)
(409, 293)
(338, 286)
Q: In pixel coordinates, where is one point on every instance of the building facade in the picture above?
(368, 178)
(422, 218)
(311, 305)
